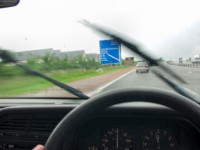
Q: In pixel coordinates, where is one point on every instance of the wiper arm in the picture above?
(5, 55)
(183, 91)
(132, 47)
(180, 89)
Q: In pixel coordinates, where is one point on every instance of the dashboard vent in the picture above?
(31, 129)
(14, 124)
(43, 125)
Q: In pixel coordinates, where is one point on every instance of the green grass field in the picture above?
(24, 84)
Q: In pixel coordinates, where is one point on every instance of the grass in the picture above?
(24, 84)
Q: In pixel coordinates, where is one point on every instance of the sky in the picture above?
(154, 25)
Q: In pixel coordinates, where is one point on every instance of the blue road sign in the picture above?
(110, 52)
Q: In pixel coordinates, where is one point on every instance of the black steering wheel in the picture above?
(65, 130)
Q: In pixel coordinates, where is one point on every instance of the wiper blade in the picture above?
(180, 89)
(132, 47)
(6, 56)
(183, 91)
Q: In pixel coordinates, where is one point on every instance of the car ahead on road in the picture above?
(142, 67)
(44, 97)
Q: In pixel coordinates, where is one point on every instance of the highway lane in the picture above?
(191, 75)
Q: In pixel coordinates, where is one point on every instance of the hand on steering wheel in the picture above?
(39, 147)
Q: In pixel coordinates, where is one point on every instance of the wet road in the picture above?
(191, 75)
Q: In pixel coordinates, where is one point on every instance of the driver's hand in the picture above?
(39, 147)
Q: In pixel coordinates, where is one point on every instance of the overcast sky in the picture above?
(38, 24)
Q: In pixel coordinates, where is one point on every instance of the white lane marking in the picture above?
(108, 84)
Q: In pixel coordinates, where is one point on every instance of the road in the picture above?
(191, 75)
(88, 85)
(123, 79)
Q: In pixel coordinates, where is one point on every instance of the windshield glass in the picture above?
(47, 37)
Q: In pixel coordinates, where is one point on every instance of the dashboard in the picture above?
(121, 127)
(138, 132)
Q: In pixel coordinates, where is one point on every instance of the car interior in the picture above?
(124, 119)
(158, 118)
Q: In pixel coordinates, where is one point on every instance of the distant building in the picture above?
(74, 55)
(180, 60)
(69, 55)
(93, 56)
(197, 58)
(171, 62)
(129, 60)
(26, 55)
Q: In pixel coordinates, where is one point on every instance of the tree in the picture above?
(51, 58)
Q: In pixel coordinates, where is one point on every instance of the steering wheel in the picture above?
(65, 130)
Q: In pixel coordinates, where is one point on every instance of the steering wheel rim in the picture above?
(65, 130)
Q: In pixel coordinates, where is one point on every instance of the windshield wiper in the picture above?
(179, 89)
(131, 46)
(7, 56)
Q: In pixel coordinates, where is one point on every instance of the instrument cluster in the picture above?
(145, 133)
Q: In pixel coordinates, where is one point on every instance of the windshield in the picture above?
(47, 37)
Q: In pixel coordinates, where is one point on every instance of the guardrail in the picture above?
(186, 65)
